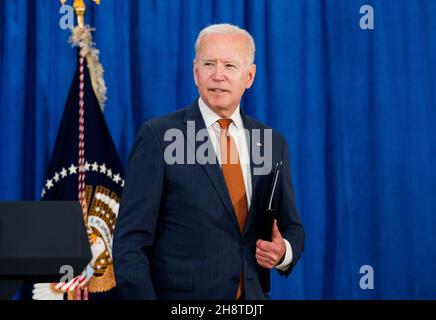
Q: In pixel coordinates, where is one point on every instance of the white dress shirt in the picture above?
(236, 130)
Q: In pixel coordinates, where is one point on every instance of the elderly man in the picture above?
(189, 228)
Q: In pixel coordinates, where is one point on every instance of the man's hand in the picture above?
(268, 254)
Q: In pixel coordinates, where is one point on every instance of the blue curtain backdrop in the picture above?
(358, 108)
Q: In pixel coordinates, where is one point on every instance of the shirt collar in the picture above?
(210, 117)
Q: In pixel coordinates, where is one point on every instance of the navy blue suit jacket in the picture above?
(177, 236)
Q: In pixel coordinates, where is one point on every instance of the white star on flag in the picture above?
(64, 173)
(109, 173)
(56, 177)
(95, 166)
(49, 184)
(72, 169)
(116, 178)
(103, 168)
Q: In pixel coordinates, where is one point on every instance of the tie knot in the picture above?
(225, 123)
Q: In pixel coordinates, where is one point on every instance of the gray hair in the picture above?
(226, 28)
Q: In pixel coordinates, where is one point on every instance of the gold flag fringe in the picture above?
(81, 37)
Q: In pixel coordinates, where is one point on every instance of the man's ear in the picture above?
(194, 70)
(251, 75)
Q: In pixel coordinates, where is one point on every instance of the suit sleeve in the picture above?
(288, 220)
(138, 215)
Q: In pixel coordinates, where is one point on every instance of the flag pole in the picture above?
(80, 9)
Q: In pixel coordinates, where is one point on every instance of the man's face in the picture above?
(222, 72)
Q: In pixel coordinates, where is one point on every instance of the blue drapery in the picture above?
(358, 108)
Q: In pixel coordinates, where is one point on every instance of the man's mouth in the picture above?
(218, 90)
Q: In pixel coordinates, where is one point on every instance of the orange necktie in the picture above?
(234, 179)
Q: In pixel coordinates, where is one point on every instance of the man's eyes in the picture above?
(227, 65)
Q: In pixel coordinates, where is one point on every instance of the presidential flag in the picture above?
(85, 166)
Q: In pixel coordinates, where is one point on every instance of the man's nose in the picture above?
(218, 74)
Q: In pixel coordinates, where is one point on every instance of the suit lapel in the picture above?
(250, 125)
(213, 171)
